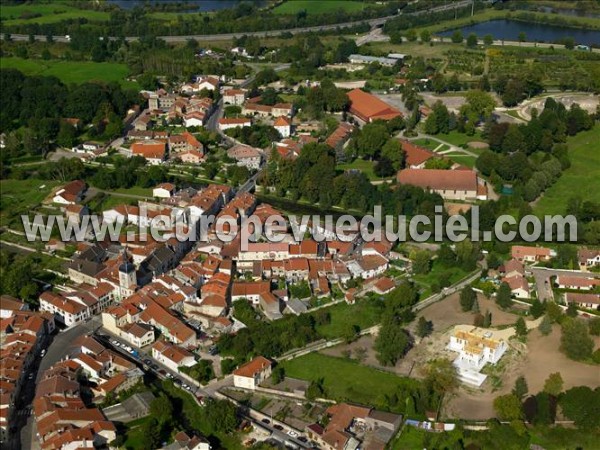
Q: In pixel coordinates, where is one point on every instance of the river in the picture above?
(195, 5)
(509, 30)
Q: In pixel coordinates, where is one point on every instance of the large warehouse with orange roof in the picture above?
(367, 108)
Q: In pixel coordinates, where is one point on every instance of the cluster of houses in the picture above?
(23, 336)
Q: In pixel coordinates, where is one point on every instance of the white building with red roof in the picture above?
(449, 184)
(252, 374)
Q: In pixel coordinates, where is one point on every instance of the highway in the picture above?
(377, 22)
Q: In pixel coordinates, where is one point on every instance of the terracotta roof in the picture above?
(241, 151)
(149, 149)
(252, 368)
(517, 282)
(520, 251)
(566, 280)
(368, 107)
(436, 179)
(415, 154)
(574, 297)
(282, 121)
(233, 121)
(385, 284)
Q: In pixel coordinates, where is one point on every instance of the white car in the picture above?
(293, 434)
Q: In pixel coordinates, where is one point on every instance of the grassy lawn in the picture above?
(313, 7)
(430, 144)
(364, 314)
(364, 166)
(458, 139)
(20, 197)
(425, 281)
(49, 13)
(581, 179)
(465, 160)
(136, 190)
(347, 380)
(71, 71)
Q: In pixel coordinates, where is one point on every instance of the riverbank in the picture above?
(583, 23)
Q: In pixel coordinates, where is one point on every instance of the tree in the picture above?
(421, 262)
(594, 326)
(521, 327)
(520, 388)
(472, 40)
(350, 332)
(480, 103)
(384, 168)
(315, 389)
(66, 135)
(487, 320)
(522, 36)
(467, 298)
(391, 343)
(221, 416)
(424, 327)
(572, 310)
(370, 140)
(425, 35)
(278, 374)
(150, 434)
(457, 37)
(554, 384)
(545, 326)
(488, 39)
(582, 405)
(508, 407)
(503, 296)
(392, 150)
(537, 308)
(575, 341)
(440, 376)
(161, 409)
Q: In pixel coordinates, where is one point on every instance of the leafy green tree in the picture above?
(487, 320)
(391, 343)
(537, 308)
(467, 298)
(503, 296)
(278, 374)
(522, 36)
(350, 332)
(221, 416)
(440, 376)
(572, 310)
(472, 40)
(545, 325)
(520, 388)
(425, 36)
(150, 435)
(488, 39)
(457, 37)
(594, 326)
(508, 407)
(315, 389)
(575, 340)
(161, 409)
(554, 384)
(582, 405)
(421, 262)
(424, 327)
(392, 150)
(521, 327)
(545, 413)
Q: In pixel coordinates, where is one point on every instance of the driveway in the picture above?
(543, 283)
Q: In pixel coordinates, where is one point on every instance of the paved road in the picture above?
(543, 283)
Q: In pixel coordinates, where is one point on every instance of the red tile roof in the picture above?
(368, 107)
(252, 368)
(437, 179)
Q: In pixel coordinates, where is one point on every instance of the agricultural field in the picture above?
(20, 197)
(581, 179)
(71, 71)
(47, 13)
(312, 7)
(344, 379)
(364, 314)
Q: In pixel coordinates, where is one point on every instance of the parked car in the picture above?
(267, 421)
(293, 434)
(278, 427)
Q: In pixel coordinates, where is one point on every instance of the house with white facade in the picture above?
(245, 155)
(284, 126)
(234, 122)
(252, 374)
(476, 347)
(172, 356)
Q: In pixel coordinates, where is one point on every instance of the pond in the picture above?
(510, 29)
(194, 5)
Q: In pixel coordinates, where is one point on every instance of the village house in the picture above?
(194, 119)
(172, 356)
(588, 258)
(164, 190)
(512, 267)
(66, 310)
(153, 151)
(450, 184)
(584, 300)
(246, 156)
(191, 157)
(476, 347)
(206, 83)
(366, 107)
(234, 96)
(70, 194)
(185, 442)
(578, 283)
(184, 142)
(526, 254)
(283, 125)
(519, 286)
(252, 374)
(228, 123)
(415, 155)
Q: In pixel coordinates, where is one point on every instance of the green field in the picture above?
(49, 13)
(364, 314)
(71, 71)
(20, 197)
(364, 166)
(318, 7)
(347, 380)
(465, 160)
(581, 179)
(458, 139)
